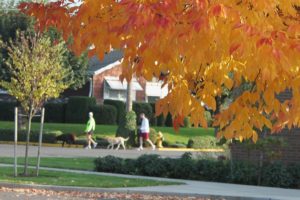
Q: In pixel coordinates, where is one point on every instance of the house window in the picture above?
(154, 91)
(116, 90)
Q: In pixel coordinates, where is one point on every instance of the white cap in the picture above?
(90, 114)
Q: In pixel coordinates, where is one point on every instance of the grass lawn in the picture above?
(75, 179)
(109, 130)
(62, 163)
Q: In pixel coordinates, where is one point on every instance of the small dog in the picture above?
(68, 138)
(117, 140)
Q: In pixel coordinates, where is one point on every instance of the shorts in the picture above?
(144, 135)
(90, 132)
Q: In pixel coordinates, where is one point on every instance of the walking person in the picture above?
(144, 132)
(89, 130)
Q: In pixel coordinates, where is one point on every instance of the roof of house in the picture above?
(95, 64)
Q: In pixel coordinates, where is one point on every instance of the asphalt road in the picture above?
(8, 151)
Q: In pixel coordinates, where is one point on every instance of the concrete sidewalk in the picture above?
(7, 150)
(190, 188)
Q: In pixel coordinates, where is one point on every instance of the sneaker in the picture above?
(140, 149)
(153, 148)
(95, 145)
(87, 147)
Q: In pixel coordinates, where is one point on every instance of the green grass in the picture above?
(109, 130)
(62, 163)
(75, 179)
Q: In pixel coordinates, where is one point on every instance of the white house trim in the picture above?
(110, 66)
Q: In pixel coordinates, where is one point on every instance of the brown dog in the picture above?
(68, 138)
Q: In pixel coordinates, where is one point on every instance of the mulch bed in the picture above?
(29, 193)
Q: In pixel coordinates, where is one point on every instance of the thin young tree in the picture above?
(37, 74)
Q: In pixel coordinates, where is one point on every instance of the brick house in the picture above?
(288, 153)
(104, 82)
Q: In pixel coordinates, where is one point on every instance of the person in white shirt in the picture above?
(144, 132)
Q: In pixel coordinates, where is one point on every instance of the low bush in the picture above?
(202, 142)
(109, 164)
(8, 135)
(274, 174)
(244, 173)
(294, 171)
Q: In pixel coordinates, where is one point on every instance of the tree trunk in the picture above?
(129, 97)
(27, 143)
(40, 142)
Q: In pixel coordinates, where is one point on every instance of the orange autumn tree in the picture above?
(201, 47)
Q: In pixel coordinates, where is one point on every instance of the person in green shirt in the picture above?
(89, 130)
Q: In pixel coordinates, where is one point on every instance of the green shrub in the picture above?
(184, 167)
(127, 128)
(8, 135)
(129, 167)
(55, 112)
(120, 106)
(202, 142)
(145, 108)
(212, 170)
(160, 120)
(109, 164)
(151, 165)
(105, 114)
(187, 122)
(169, 120)
(244, 173)
(78, 108)
(153, 119)
(276, 175)
(294, 171)
(7, 112)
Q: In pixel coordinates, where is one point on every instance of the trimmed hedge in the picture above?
(156, 121)
(78, 108)
(274, 174)
(55, 112)
(145, 108)
(119, 105)
(169, 120)
(48, 136)
(105, 114)
(7, 112)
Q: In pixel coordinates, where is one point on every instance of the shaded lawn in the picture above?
(62, 163)
(75, 179)
(182, 136)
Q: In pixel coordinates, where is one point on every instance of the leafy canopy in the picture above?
(37, 71)
(201, 47)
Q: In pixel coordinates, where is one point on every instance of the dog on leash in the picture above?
(116, 140)
(68, 138)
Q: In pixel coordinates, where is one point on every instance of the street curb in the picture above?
(121, 190)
